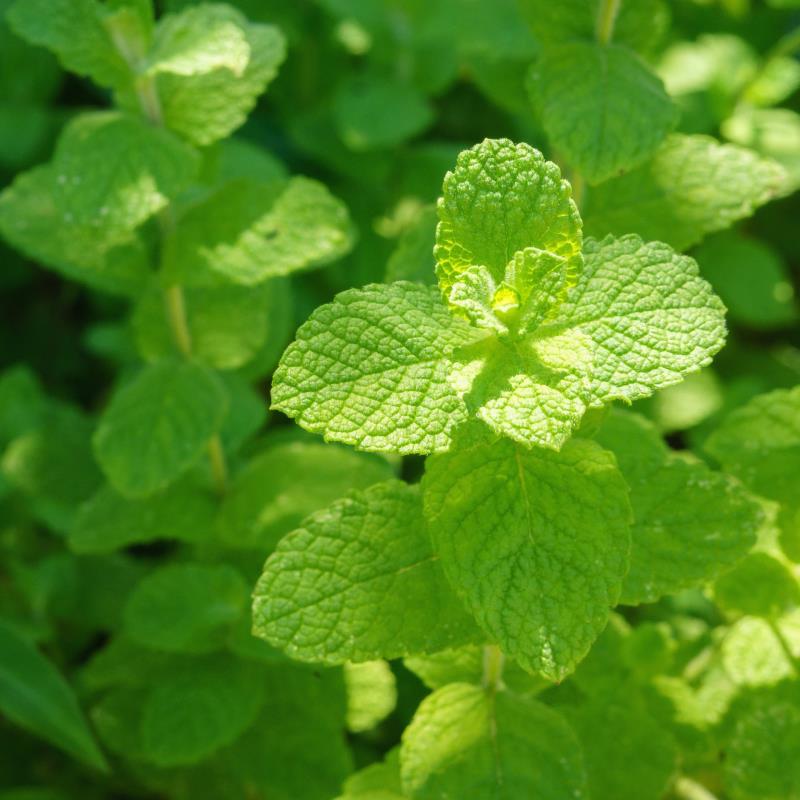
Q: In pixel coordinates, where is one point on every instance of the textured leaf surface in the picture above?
(185, 607)
(601, 106)
(114, 171)
(649, 315)
(371, 694)
(110, 521)
(536, 543)
(692, 186)
(371, 370)
(247, 232)
(359, 581)
(690, 523)
(157, 425)
(288, 481)
(74, 31)
(33, 694)
(465, 742)
(198, 707)
(501, 198)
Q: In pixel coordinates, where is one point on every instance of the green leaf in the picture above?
(198, 707)
(378, 781)
(109, 521)
(206, 107)
(501, 198)
(157, 425)
(761, 759)
(759, 585)
(752, 655)
(32, 222)
(373, 112)
(247, 411)
(371, 694)
(371, 370)
(247, 232)
(466, 742)
(661, 322)
(22, 403)
(114, 171)
(693, 186)
(33, 694)
(690, 523)
(359, 581)
(74, 31)
(228, 325)
(185, 607)
(281, 486)
(412, 258)
(198, 41)
(601, 106)
(503, 520)
(751, 278)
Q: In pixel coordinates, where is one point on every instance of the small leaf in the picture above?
(371, 694)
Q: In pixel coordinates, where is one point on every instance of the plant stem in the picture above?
(606, 17)
(493, 662)
(219, 468)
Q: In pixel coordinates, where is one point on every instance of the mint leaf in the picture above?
(32, 222)
(601, 105)
(157, 425)
(247, 232)
(661, 322)
(185, 607)
(114, 171)
(759, 585)
(752, 655)
(109, 521)
(690, 523)
(378, 781)
(466, 742)
(371, 369)
(198, 41)
(501, 516)
(34, 694)
(501, 198)
(693, 186)
(285, 483)
(374, 553)
(198, 707)
(74, 31)
(412, 258)
(371, 694)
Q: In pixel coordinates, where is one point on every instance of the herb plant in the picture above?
(318, 473)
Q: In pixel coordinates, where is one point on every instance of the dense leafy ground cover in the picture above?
(321, 326)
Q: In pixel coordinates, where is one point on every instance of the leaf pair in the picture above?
(534, 332)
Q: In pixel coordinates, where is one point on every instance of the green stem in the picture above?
(493, 662)
(606, 17)
(176, 314)
(219, 467)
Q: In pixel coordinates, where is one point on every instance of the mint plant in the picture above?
(319, 476)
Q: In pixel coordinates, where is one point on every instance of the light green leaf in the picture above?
(185, 607)
(601, 106)
(761, 760)
(371, 694)
(759, 585)
(114, 171)
(378, 781)
(501, 198)
(692, 186)
(247, 411)
(371, 370)
(690, 523)
(466, 742)
(505, 523)
(227, 324)
(157, 426)
(359, 581)
(285, 483)
(109, 521)
(32, 222)
(33, 694)
(204, 108)
(247, 232)
(752, 655)
(197, 41)
(661, 322)
(74, 31)
(372, 112)
(198, 707)
(412, 258)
